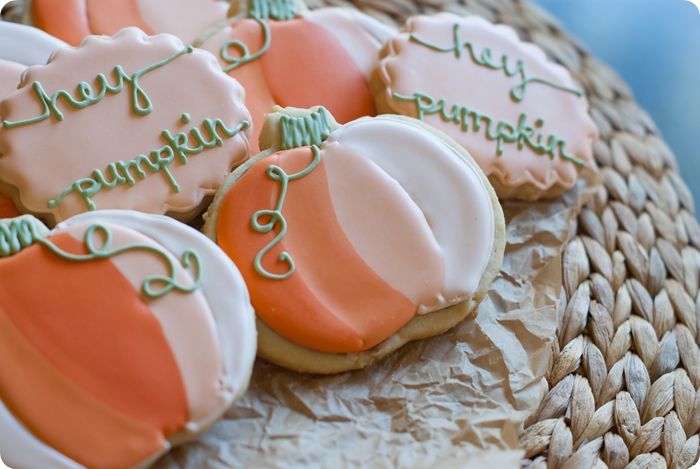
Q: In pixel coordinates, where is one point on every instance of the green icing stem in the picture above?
(22, 232)
(272, 9)
(311, 129)
(87, 96)
(485, 59)
(275, 217)
(502, 132)
(127, 173)
(19, 233)
(246, 56)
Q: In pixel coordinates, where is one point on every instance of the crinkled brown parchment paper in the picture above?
(456, 400)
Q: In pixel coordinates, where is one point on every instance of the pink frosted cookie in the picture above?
(73, 20)
(521, 116)
(131, 121)
(121, 335)
(20, 46)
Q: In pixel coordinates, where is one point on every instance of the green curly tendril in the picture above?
(260, 11)
(246, 56)
(275, 217)
(22, 232)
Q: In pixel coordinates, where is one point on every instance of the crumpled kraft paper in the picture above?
(456, 400)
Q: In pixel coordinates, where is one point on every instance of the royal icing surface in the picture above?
(520, 116)
(10, 75)
(117, 123)
(20, 46)
(339, 270)
(73, 20)
(168, 371)
(26, 45)
(321, 57)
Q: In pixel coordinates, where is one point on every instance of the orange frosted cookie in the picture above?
(121, 334)
(131, 122)
(522, 117)
(346, 246)
(286, 55)
(73, 20)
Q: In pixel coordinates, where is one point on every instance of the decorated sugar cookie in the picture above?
(26, 45)
(131, 122)
(73, 20)
(356, 239)
(122, 334)
(20, 46)
(521, 117)
(286, 55)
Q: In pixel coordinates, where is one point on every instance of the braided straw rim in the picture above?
(624, 378)
(625, 375)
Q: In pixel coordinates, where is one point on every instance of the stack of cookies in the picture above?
(203, 182)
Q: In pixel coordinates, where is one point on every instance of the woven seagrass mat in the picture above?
(625, 373)
(623, 383)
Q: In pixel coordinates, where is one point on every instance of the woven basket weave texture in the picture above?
(625, 376)
(624, 382)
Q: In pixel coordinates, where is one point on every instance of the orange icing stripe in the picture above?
(305, 66)
(317, 306)
(90, 323)
(62, 415)
(109, 16)
(7, 208)
(65, 19)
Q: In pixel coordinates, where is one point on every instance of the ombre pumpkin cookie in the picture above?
(356, 239)
(128, 122)
(121, 335)
(284, 54)
(520, 116)
(20, 46)
(73, 20)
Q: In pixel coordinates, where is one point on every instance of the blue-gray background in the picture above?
(655, 46)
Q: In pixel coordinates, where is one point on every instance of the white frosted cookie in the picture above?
(356, 239)
(520, 116)
(26, 45)
(122, 334)
(125, 122)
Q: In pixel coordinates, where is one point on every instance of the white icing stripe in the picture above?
(20, 449)
(222, 285)
(385, 227)
(450, 193)
(185, 320)
(26, 45)
(185, 19)
(361, 35)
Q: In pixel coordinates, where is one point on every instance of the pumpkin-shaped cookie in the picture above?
(121, 334)
(123, 122)
(356, 239)
(286, 55)
(20, 46)
(521, 116)
(73, 20)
